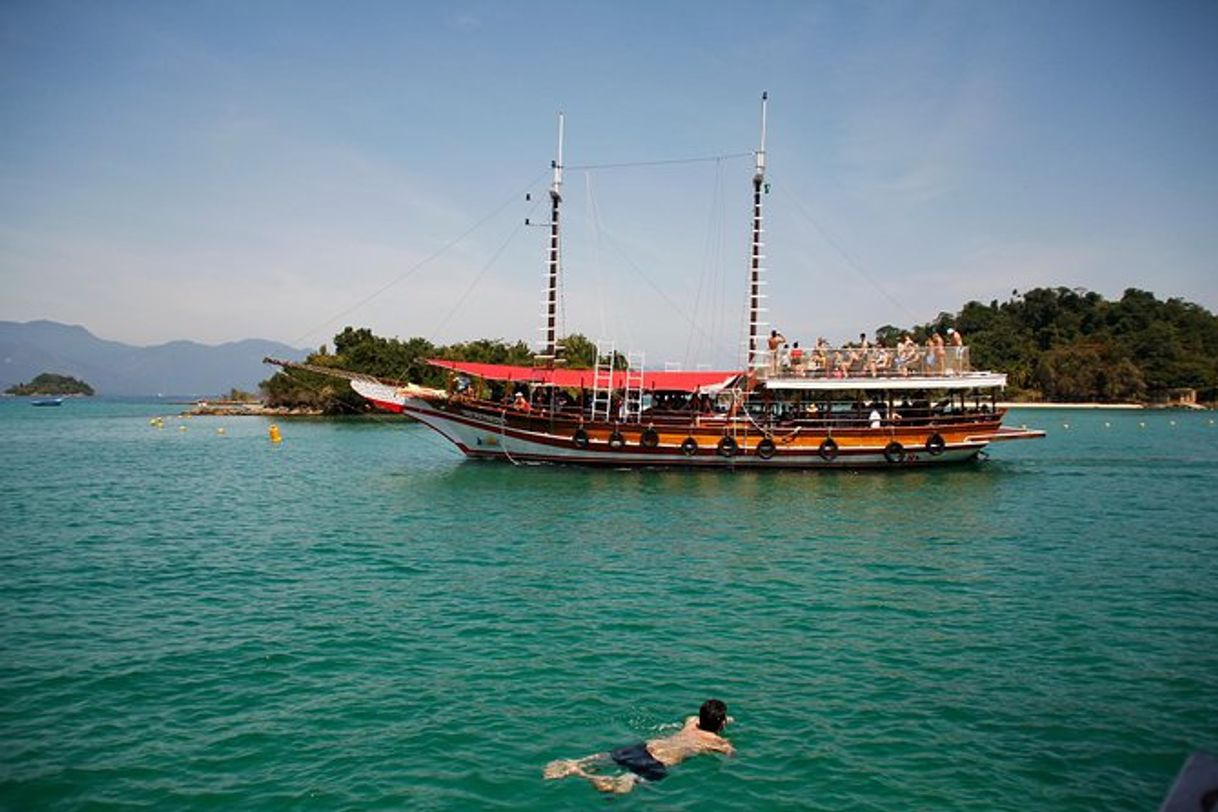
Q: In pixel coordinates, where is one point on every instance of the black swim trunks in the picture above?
(640, 762)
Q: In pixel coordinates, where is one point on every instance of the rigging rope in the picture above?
(503, 438)
(393, 421)
(486, 267)
(669, 162)
(712, 264)
(630, 263)
(850, 261)
(423, 262)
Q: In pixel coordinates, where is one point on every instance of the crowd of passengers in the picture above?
(939, 356)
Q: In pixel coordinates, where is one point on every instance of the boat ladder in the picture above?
(632, 407)
(602, 380)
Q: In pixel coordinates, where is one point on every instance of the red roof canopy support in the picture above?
(582, 378)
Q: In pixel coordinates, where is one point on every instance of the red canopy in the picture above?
(582, 378)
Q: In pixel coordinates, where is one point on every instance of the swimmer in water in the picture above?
(650, 760)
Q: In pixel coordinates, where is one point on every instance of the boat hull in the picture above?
(485, 432)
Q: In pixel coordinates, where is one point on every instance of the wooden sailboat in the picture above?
(849, 407)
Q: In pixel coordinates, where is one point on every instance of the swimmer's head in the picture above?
(712, 716)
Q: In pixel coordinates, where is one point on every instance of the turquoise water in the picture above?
(358, 619)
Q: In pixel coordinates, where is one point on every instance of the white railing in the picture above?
(865, 362)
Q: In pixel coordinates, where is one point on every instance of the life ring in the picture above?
(766, 448)
(894, 452)
(650, 438)
(616, 440)
(580, 438)
(828, 449)
(935, 444)
(689, 446)
(727, 447)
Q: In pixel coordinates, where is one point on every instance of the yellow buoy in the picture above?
(181, 428)
(1141, 425)
(273, 433)
(1065, 425)
(220, 430)
(1107, 425)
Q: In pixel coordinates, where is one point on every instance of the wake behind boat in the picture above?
(831, 407)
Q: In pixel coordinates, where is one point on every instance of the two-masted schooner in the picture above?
(830, 407)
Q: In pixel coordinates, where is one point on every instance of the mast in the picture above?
(755, 294)
(549, 353)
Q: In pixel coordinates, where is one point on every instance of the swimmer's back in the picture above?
(690, 740)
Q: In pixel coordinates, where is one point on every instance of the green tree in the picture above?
(48, 383)
(579, 352)
(888, 335)
(1072, 344)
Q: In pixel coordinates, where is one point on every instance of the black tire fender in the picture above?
(689, 446)
(727, 447)
(650, 438)
(935, 444)
(580, 438)
(894, 452)
(828, 449)
(766, 448)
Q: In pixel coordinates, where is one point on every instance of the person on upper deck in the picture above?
(860, 356)
(821, 357)
(956, 354)
(797, 360)
(879, 360)
(775, 342)
(907, 353)
(841, 363)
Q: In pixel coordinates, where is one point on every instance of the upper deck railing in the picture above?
(865, 362)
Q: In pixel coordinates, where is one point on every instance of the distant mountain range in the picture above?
(113, 368)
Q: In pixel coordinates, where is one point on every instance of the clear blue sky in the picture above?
(216, 170)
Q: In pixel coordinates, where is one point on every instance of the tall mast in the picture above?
(755, 294)
(549, 351)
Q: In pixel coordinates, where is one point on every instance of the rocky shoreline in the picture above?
(238, 408)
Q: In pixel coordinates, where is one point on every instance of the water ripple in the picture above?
(359, 620)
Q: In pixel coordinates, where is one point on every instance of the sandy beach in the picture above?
(1045, 405)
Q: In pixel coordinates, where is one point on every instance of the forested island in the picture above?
(48, 383)
(1054, 344)
(1062, 344)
